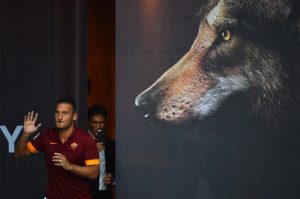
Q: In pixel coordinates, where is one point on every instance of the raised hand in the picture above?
(29, 123)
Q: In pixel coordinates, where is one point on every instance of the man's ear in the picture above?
(75, 116)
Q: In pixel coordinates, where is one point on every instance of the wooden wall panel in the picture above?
(101, 57)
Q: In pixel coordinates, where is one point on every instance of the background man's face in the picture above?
(64, 116)
(96, 122)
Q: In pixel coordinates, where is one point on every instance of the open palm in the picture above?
(30, 123)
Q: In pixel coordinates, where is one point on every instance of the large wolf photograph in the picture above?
(232, 104)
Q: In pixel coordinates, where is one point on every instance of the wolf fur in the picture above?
(248, 46)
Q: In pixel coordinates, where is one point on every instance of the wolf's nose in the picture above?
(140, 101)
(145, 104)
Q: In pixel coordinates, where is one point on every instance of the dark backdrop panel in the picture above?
(150, 37)
(42, 58)
(230, 155)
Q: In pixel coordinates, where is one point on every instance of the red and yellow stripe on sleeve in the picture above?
(92, 162)
(31, 148)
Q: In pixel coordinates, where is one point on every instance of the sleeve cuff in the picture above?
(31, 148)
(92, 162)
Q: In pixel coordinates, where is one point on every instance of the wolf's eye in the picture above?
(226, 35)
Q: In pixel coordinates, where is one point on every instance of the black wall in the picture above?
(42, 58)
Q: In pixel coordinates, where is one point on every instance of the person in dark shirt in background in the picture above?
(97, 119)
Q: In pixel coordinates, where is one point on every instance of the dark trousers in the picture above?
(104, 194)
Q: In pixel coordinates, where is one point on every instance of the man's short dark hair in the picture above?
(97, 110)
(70, 101)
